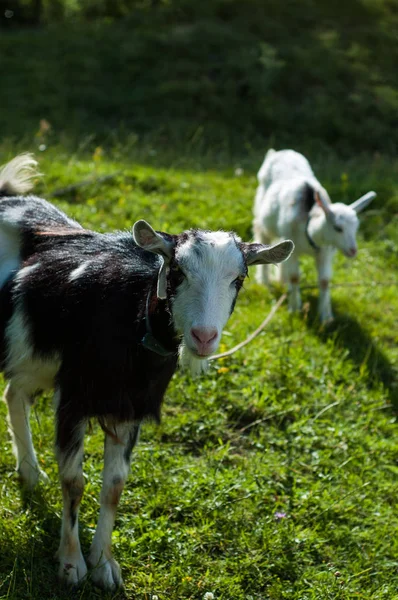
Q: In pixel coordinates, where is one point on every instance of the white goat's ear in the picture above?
(363, 201)
(320, 201)
(153, 241)
(159, 243)
(259, 254)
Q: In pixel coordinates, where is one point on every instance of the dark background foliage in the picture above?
(307, 73)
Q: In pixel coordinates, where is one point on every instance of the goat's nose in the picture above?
(204, 335)
(352, 251)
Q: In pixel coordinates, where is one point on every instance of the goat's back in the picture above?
(282, 165)
(32, 213)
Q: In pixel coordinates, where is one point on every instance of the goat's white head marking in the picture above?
(342, 222)
(202, 274)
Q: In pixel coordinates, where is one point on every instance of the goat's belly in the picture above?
(22, 363)
(34, 374)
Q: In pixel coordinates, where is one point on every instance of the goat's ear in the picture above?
(363, 201)
(320, 201)
(154, 241)
(159, 243)
(259, 254)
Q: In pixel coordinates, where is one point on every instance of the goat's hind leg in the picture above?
(19, 407)
(69, 448)
(291, 274)
(120, 440)
(324, 265)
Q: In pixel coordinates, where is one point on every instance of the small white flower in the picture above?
(42, 147)
(208, 596)
(239, 171)
(154, 597)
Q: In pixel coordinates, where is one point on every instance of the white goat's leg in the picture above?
(19, 406)
(118, 448)
(324, 265)
(69, 448)
(262, 271)
(291, 273)
(283, 272)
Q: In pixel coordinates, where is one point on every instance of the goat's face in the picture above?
(341, 222)
(202, 274)
(342, 226)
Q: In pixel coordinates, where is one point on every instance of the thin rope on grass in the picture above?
(272, 312)
(255, 333)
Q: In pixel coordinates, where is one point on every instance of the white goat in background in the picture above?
(290, 202)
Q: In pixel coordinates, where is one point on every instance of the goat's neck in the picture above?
(159, 327)
(316, 227)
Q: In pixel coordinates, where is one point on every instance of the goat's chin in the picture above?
(348, 255)
(192, 362)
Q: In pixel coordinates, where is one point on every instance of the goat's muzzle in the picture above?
(204, 339)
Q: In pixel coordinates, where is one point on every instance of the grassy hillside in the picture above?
(230, 74)
(274, 477)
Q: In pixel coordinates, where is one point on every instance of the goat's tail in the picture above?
(16, 177)
(263, 173)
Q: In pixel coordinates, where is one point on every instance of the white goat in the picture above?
(290, 202)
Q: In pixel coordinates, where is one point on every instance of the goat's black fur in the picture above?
(94, 324)
(308, 198)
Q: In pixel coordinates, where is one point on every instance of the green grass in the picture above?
(273, 477)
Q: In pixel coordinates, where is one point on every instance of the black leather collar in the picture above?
(149, 341)
(309, 238)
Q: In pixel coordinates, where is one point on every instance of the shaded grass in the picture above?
(227, 74)
(272, 477)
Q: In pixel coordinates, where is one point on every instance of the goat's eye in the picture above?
(338, 228)
(239, 280)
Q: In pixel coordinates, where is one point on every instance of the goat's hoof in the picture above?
(31, 475)
(106, 573)
(43, 477)
(72, 569)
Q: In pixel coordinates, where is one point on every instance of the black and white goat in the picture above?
(290, 202)
(101, 318)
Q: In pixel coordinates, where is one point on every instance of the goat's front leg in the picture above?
(324, 260)
(69, 448)
(120, 440)
(19, 406)
(290, 271)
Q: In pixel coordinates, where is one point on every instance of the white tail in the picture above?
(17, 175)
